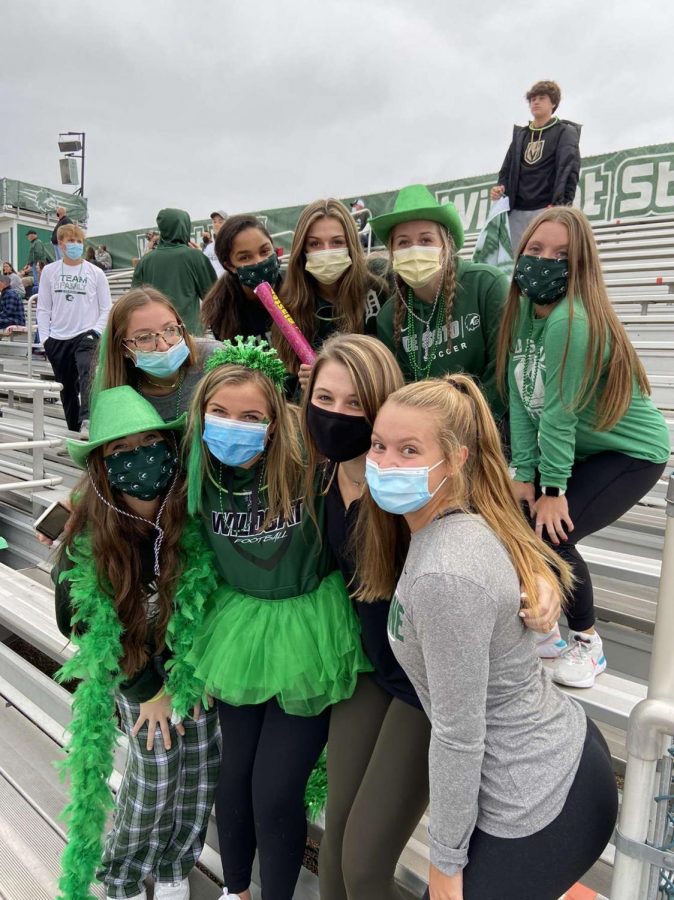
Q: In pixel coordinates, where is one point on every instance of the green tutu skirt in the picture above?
(304, 651)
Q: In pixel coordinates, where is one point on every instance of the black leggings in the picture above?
(267, 757)
(543, 865)
(601, 489)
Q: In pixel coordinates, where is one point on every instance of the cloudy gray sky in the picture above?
(252, 104)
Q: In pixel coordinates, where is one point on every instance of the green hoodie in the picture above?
(286, 560)
(37, 253)
(182, 273)
(547, 430)
(471, 345)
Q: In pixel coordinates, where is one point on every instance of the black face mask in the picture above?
(338, 437)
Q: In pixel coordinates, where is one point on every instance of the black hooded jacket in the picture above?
(567, 168)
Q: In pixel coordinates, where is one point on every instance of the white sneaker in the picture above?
(581, 662)
(550, 645)
(226, 894)
(172, 890)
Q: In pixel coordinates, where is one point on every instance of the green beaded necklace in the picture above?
(424, 336)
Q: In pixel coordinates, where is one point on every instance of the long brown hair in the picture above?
(482, 485)
(219, 309)
(115, 542)
(299, 290)
(284, 465)
(586, 283)
(448, 286)
(375, 374)
(116, 367)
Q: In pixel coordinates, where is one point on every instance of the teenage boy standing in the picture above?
(73, 303)
(542, 164)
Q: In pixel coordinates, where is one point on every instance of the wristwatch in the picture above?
(552, 491)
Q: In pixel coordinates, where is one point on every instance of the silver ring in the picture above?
(176, 719)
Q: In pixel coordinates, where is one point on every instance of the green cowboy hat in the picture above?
(416, 202)
(118, 412)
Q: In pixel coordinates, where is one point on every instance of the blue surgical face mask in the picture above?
(73, 250)
(234, 443)
(400, 490)
(162, 364)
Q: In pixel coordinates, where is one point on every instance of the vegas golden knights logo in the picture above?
(534, 152)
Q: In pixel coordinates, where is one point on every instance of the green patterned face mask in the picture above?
(144, 472)
(543, 281)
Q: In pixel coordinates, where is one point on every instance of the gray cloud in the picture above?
(253, 105)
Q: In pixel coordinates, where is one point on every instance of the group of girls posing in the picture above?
(328, 580)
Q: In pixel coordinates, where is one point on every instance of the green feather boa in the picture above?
(93, 732)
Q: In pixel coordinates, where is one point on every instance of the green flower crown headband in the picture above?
(253, 353)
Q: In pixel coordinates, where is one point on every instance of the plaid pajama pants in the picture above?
(163, 804)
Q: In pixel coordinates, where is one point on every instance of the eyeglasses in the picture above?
(148, 341)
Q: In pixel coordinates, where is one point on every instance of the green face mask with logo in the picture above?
(543, 281)
(144, 472)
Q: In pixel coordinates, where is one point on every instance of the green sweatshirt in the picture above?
(286, 560)
(37, 252)
(471, 344)
(546, 432)
(182, 273)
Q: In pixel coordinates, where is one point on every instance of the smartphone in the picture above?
(53, 520)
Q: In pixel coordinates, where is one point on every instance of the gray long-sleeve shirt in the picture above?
(505, 743)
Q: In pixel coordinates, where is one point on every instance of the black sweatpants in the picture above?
(71, 361)
(543, 865)
(600, 490)
(267, 757)
(378, 791)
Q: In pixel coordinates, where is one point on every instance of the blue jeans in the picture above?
(57, 252)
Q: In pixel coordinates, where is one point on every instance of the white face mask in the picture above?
(327, 266)
(417, 266)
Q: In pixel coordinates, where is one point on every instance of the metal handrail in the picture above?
(38, 442)
(650, 724)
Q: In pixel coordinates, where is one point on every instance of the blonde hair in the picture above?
(299, 288)
(612, 384)
(448, 286)
(374, 373)
(70, 232)
(482, 485)
(284, 465)
(115, 367)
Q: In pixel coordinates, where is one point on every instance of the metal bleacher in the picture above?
(638, 260)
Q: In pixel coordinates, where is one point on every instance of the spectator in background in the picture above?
(12, 310)
(36, 254)
(218, 219)
(542, 164)
(151, 241)
(62, 219)
(361, 217)
(104, 258)
(14, 278)
(90, 256)
(184, 275)
(72, 308)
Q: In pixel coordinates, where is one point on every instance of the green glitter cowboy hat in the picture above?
(416, 203)
(118, 412)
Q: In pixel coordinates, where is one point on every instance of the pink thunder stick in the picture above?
(286, 323)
